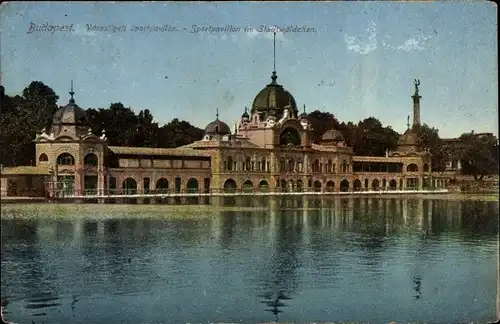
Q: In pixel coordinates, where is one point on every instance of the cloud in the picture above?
(363, 47)
(409, 45)
(414, 44)
(214, 37)
(367, 44)
(82, 30)
(256, 33)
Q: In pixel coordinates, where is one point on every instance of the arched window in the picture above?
(263, 164)
(248, 164)
(43, 157)
(282, 165)
(316, 166)
(299, 166)
(291, 166)
(412, 168)
(290, 138)
(329, 166)
(344, 166)
(229, 163)
(65, 159)
(90, 159)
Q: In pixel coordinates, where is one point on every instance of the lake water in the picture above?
(291, 260)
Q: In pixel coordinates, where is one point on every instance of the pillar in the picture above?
(54, 185)
(405, 211)
(79, 180)
(100, 182)
(140, 189)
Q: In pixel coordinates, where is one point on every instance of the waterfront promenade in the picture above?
(123, 194)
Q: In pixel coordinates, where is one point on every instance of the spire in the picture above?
(217, 114)
(305, 109)
(274, 46)
(71, 93)
(274, 76)
(408, 122)
(246, 110)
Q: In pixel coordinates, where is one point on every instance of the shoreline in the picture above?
(437, 195)
(26, 209)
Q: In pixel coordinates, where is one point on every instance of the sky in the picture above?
(353, 59)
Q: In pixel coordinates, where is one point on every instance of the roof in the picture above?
(409, 138)
(70, 114)
(217, 127)
(241, 143)
(26, 170)
(273, 96)
(389, 159)
(127, 150)
(332, 135)
(321, 148)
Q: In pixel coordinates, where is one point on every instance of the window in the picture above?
(65, 159)
(90, 159)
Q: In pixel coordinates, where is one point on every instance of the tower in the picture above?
(416, 106)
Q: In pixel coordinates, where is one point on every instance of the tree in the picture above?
(429, 139)
(40, 104)
(372, 139)
(22, 117)
(178, 133)
(320, 123)
(478, 154)
(146, 130)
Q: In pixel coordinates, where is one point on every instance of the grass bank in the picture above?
(103, 211)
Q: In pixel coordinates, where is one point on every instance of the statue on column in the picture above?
(417, 83)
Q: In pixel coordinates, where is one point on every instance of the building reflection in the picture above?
(279, 278)
(227, 228)
(23, 257)
(417, 282)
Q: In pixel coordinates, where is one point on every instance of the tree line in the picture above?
(25, 115)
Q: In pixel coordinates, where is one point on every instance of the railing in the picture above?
(26, 192)
(161, 193)
(231, 191)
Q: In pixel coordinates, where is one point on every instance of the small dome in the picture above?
(409, 138)
(70, 114)
(217, 127)
(332, 135)
(245, 114)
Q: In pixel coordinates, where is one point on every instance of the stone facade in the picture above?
(269, 149)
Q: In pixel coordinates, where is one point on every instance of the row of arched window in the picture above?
(67, 159)
(261, 165)
(285, 165)
(329, 167)
(291, 165)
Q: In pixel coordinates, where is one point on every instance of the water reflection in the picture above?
(365, 259)
(279, 278)
(30, 271)
(228, 223)
(418, 284)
